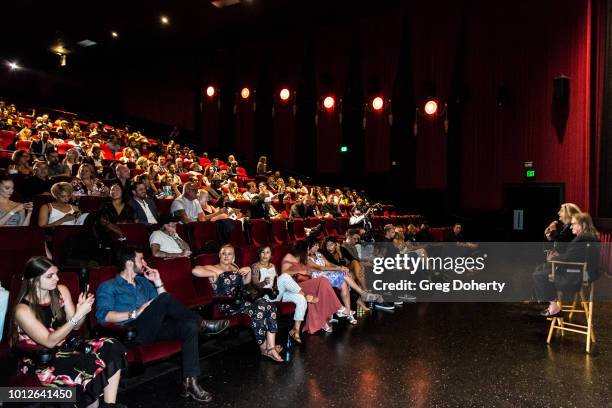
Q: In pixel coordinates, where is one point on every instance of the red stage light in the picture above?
(210, 91)
(377, 103)
(431, 107)
(329, 102)
(245, 93)
(285, 94)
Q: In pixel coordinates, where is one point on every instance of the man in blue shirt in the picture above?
(137, 297)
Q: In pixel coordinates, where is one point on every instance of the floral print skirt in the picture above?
(88, 373)
(262, 314)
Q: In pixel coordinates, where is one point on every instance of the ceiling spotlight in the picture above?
(62, 60)
(13, 65)
(285, 94)
(431, 107)
(329, 102)
(164, 20)
(377, 103)
(245, 93)
(210, 91)
(114, 34)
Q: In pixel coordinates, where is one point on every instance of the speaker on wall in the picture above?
(561, 86)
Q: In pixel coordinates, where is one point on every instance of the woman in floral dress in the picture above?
(226, 279)
(45, 316)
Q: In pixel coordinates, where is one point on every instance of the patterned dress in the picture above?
(335, 278)
(87, 373)
(261, 312)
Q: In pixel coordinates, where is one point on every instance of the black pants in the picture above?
(566, 282)
(168, 319)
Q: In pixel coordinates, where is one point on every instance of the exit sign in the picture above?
(343, 149)
(530, 173)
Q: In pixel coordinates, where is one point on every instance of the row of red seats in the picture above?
(195, 293)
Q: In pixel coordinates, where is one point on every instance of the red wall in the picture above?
(481, 44)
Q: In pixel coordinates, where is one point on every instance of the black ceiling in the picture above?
(195, 26)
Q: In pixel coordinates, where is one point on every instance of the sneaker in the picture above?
(384, 307)
(351, 319)
(407, 298)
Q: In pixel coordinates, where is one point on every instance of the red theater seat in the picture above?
(260, 232)
(202, 232)
(6, 138)
(163, 205)
(178, 280)
(17, 245)
(237, 238)
(298, 229)
(61, 234)
(88, 204)
(136, 235)
(343, 225)
(279, 232)
(330, 227)
(23, 145)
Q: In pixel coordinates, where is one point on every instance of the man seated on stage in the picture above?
(165, 242)
(137, 297)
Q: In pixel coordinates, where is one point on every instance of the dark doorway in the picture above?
(529, 208)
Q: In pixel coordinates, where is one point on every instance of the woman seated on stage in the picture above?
(59, 212)
(561, 230)
(566, 281)
(227, 279)
(338, 276)
(45, 315)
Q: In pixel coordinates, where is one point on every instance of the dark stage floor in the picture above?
(425, 355)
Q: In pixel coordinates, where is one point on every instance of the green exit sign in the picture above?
(343, 149)
(530, 173)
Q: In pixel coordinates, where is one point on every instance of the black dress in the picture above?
(88, 373)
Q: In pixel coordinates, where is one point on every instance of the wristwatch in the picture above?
(133, 314)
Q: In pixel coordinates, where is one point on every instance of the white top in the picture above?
(356, 219)
(166, 243)
(150, 217)
(192, 207)
(56, 214)
(267, 273)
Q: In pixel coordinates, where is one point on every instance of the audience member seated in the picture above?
(304, 208)
(59, 212)
(117, 209)
(212, 213)
(20, 163)
(166, 243)
(72, 158)
(265, 276)
(55, 167)
(137, 297)
(43, 145)
(149, 179)
(12, 214)
(456, 234)
(330, 208)
(338, 276)
(424, 234)
(45, 315)
(144, 208)
(321, 313)
(233, 192)
(122, 173)
(38, 182)
(187, 207)
(227, 280)
(95, 157)
(569, 279)
(86, 183)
